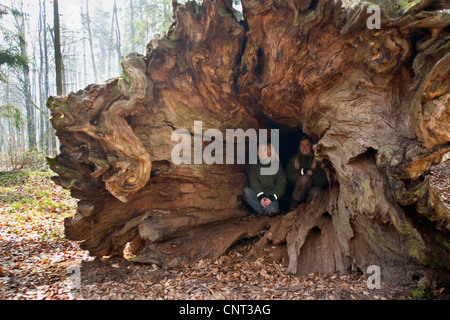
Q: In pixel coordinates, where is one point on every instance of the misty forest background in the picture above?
(91, 36)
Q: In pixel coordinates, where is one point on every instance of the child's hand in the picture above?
(265, 202)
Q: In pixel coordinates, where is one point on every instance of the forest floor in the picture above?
(38, 263)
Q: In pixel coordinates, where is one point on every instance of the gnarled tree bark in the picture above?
(377, 102)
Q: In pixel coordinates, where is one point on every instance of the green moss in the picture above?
(126, 82)
(303, 18)
(380, 241)
(438, 256)
(441, 88)
(51, 162)
(310, 17)
(410, 4)
(446, 45)
(56, 103)
(422, 293)
(414, 247)
(392, 10)
(71, 184)
(443, 241)
(173, 37)
(57, 167)
(101, 162)
(432, 261)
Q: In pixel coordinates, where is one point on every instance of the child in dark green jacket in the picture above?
(264, 191)
(305, 174)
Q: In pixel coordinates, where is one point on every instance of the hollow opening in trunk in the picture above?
(321, 251)
(289, 140)
(313, 5)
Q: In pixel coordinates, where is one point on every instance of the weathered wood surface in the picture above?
(377, 102)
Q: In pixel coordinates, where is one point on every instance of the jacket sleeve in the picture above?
(320, 176)
(253, 180)
(292, 174)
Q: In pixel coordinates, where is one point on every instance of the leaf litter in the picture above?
(35, 259)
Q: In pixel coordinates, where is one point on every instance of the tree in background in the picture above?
(16, 146)
(148, 18)
(10, 56)
(58, 56)
(46, 50)
(21, 108)
(12, 139)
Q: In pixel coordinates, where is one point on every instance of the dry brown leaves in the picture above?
(32, 245)
(228, 278)
(440, 179)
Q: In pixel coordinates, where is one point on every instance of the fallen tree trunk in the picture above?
(376, 100)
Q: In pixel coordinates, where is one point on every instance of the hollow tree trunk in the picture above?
(376, 100)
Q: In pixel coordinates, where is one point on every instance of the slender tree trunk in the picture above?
(83, 18)
(132, 27)
(49, 131)
(117, 35)
(91, 44)
(26, 84)
(58, 55)
(110, 47)
(45, 39)
(42, 96)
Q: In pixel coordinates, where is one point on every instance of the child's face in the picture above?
(263, 152)
(305, 147)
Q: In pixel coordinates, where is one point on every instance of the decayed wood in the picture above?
(210, 242)
(157, 229)
(376, 101)
(103, 120)
(326, 250)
